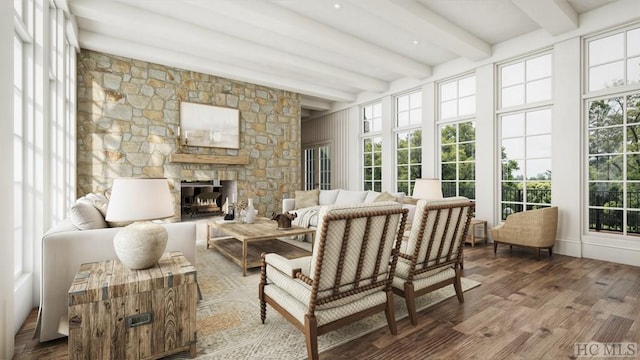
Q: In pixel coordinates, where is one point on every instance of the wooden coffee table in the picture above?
(262, 234)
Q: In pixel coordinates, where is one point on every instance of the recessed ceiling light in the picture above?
(337, 6)
(416, 42)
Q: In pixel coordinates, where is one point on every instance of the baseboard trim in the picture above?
(568, 248)
(616, 254)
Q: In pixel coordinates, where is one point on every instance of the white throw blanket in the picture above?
(304, 219)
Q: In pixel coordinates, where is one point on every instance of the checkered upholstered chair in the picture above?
(347, 277)
(432, 256)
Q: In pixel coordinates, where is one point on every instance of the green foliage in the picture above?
(408, 158)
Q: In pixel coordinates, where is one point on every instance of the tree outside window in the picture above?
(613, 129)
(458, 159)
(372, 161)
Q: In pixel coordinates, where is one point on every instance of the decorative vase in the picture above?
(251, 212)
(140, 245)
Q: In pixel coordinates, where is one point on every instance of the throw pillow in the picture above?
(409, 200)
(99, 201)
(305, 199)
(85, 216)
(385, 196)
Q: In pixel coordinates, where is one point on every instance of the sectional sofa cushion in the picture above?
(85, 216)
(327, 197)
(350, 197)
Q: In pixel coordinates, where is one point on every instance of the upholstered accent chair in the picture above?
(533, 228)
(347, 277)
(431, 258)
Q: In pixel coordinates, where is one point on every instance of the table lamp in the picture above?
(427, 189)
(140, 244)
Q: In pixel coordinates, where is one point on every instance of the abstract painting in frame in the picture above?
(209, 126)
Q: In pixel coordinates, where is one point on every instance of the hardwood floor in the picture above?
(524, 309)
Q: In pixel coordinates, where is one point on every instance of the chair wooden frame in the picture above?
(363, 282)
(453, 257)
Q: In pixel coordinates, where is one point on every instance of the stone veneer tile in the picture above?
(128, 116)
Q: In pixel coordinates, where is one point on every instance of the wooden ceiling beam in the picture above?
(555, 16)
(191, 38)
(417, 18)
(179, 59)
(269, 16)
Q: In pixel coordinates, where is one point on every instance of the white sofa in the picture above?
(341, 197)
(65, 247)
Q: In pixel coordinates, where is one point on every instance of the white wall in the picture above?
(487, 170)
(6, 181)
(335, 130)
(566, 145)
(567, 132)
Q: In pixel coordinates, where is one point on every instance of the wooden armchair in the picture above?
(347, 277)
(432, 256)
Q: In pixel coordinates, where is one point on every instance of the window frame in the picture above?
(371, 135)
(410, 129)
(624, 91)
(524, 109)
(455, 120)
(317, 170)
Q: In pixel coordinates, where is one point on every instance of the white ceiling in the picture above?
(313, 47)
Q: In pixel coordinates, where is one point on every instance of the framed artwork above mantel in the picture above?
(209, 126)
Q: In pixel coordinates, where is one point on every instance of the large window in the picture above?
(458, 159)
(372, 160)
(613, 125)
(408, 135)
(310, 174)
(43, 136)
(317, 167)
(18, 139)
(372, 146)
(525, 120)
(457, 109)
(325, 167)
(614, 60)
(614, 164)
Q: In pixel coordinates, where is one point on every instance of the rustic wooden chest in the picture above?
(118, 313)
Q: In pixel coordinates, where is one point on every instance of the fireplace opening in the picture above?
(204, 197)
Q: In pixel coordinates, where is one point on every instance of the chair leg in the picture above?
(311, 336)
(457, 284)
(263, 281)
(410, 299)
(538, 254)
(391, 318)
(263, 304)
(551, 251)
(495, 246)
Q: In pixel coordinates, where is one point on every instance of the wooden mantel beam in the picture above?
(208, 159)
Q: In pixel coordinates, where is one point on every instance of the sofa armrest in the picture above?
(288, 204)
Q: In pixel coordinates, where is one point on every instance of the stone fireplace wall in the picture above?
(128, 119)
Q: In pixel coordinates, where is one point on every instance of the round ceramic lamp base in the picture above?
(140, 245)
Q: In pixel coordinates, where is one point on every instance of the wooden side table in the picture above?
(119, 313)
(472, 237)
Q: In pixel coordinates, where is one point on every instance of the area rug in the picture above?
(229, 325)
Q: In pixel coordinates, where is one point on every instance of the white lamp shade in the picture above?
(139, 199)
(427, 189)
